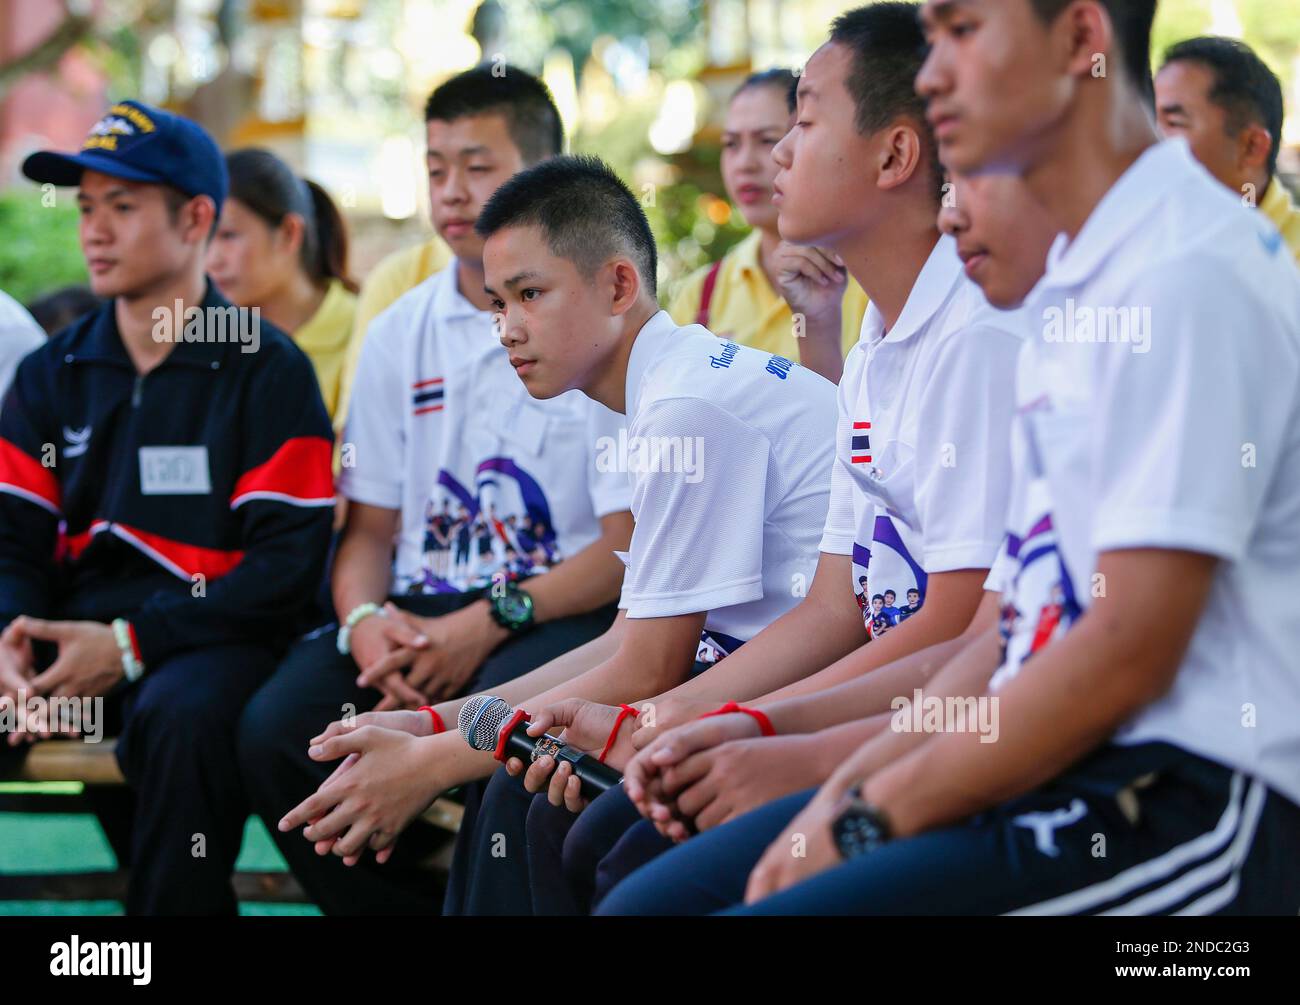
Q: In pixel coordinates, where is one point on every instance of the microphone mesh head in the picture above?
(480, 720)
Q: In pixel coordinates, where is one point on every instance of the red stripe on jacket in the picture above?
(25, 476)
(181, 559)
(298, 473)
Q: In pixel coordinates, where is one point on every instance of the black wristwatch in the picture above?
(511, 608)
(860, 828)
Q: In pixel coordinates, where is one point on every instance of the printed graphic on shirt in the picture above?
(1040, 606)
(502, 526)
(888, 582)
(427, 396)
(1039, 603)
(725, 357)
(779, 366)
(860, 443)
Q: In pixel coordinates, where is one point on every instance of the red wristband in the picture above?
(438, 725)
(764, 723)
(625, 711)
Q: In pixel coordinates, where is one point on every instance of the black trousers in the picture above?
(575, 859)
(510, 855)
(311, 689)
(177, 751)
(180, 823)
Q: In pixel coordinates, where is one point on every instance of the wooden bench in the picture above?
(95, 764)
(53, 761)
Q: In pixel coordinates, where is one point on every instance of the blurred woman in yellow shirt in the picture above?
(281, 245)
(743, 296)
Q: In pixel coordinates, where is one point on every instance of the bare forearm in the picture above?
(361, 573)
(549, 675)
(862, 696)
(454, 762)
(832, 746)
(586, 581)
(967, 673)
(813, 635)
(820, 348)
(953, 606)
(622, 679)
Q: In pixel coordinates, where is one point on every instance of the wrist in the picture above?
(890, 791)
(859, 826)
(355, 617)
(821, 322)
(434, 723)
(759, 718)
(493, 631)
(624, 712)
(127, 649)
(510, 607)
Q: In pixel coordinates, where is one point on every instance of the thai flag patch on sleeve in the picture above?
(426, 396)
(860, 445)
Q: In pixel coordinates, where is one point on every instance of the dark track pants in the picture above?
(1188, 837)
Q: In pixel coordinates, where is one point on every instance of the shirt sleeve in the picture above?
(374, 439)
(838, 533)
(284, 499)
(1187, 435)
(698, 542)
(19, 335)
(1001, 571)
(963, 449)
(841, 526)
(609, 485)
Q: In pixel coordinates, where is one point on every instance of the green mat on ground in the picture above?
(73, 842)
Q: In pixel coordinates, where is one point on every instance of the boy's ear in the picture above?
(900, 155)
(1088, 32)
(626, 285)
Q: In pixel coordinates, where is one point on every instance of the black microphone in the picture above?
(481, 720)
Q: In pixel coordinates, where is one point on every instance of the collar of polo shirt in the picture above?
(448, 302)
(649, 343)
(1120, 212)
(935, 283)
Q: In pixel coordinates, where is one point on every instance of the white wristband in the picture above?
(132, 668)
(354, 618)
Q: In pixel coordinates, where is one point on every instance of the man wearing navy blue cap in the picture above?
(165, 504)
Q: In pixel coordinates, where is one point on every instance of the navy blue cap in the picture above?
(141, 143)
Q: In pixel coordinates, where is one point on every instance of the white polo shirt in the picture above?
(1180, 431)
(922, 457)
(485, 477)
(19, 335)
(730, 453)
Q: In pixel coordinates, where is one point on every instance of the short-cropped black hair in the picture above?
(1132, 20)
(888, 50)
(585, 211)
(523, 100)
